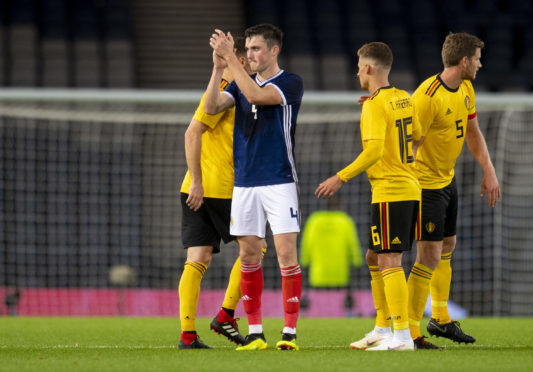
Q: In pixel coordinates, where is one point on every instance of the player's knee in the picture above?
(429, 253)
(448, 245)
(371, 258)
(200, 254)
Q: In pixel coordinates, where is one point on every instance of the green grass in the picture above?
(149, 344)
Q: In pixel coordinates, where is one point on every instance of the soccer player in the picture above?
(206, 202)
(445, 104)
(388, 129)
(267, 105)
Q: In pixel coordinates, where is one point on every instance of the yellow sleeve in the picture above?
(472, 99)
(373, 121)
(371, 154)
(210, 120)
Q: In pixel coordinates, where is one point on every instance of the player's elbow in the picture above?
(210, 109)
(254, 99)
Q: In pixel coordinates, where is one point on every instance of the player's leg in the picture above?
(198, 259)
(441, 324)
(418, 286)
(201, 240)
(430, 232)
(281, 206)
(382, 329)
(224, 322)
(393, 233)
(252, 290)
(248, 223)
(291, 287)
(440, 283)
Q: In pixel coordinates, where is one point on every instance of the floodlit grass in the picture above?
(149, 344)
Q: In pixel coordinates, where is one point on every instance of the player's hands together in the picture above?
(218, 61)
(491, 188)
(221, 43)
(196, 196)
(329, 187)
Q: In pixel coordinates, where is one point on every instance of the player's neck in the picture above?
(451, 77)
(377, 83)
(268, 72)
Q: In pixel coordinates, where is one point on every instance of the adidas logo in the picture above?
(246, 298)
(293, 299)
(230, 329)
(448, 112)
(396, 241)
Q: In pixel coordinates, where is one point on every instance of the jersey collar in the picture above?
(261, 83)
(447, 87)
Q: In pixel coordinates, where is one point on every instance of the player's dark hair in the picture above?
(378, 51)
(272, 34)
(459, 45)
(239, 45)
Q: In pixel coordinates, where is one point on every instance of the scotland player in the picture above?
(267, 105)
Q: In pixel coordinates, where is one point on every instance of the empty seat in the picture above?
(334, 72)
(305, 65)
(87, 63)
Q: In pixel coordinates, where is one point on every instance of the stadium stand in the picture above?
(162, 44)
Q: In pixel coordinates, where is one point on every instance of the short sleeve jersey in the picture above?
(217, 153)
(389, 115)
(443, 113)
(263, 141)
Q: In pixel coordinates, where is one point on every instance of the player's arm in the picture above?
(416, 145)
(215, 101)
(478, 147)
(223, 46)
(369, 156)
(193, 150)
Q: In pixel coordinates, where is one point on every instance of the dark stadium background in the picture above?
(163, 44)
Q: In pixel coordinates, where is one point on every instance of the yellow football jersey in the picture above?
(217, 153)
(443, 115)
(389, 115)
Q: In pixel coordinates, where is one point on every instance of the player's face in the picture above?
(361, 73)
(473, 64)
(259, 56)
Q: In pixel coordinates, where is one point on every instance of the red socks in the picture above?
(188, 336)
(291, 286)
(252, 289)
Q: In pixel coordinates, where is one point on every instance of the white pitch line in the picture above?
(171, 347)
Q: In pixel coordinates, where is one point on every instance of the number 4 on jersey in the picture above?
(254, 110)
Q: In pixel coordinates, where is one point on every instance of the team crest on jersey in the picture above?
(430, 227)
(467, 102)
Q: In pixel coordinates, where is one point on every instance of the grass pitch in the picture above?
(149, 344)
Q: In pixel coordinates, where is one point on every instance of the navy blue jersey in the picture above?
(263, 136)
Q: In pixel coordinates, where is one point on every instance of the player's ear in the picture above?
(275, 50)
